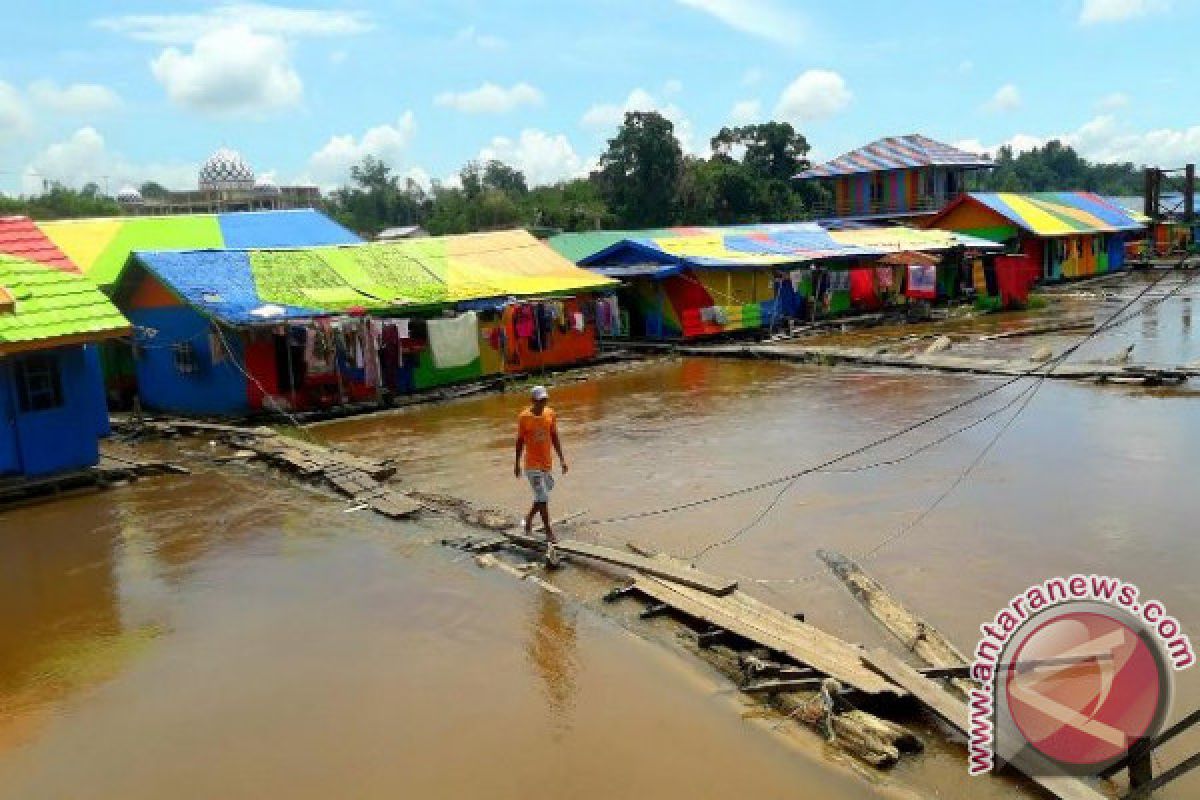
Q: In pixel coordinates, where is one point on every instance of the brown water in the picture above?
(227, 634)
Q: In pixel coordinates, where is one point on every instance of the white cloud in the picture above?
(606, 117)
(78, 98)
(766, 19)
(1099, 11)
(543, 157)
(185, 28)
(469, 36)
(815, 95)
(1006, 98)
(491, 98)
(1102, 139)
(746, 112)
(84, 157)
(230, 71)
(1113, 101)
(15, 119)
(330, 166)
(753, 76)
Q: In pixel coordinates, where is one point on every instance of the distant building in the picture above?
(52, 409)
(225, 183)
(899, 177)
(401, 232)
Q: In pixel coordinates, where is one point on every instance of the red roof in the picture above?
(20, 237)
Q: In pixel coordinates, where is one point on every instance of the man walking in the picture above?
(537, 433)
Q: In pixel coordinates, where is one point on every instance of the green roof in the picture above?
(52, 305)
(575, 247)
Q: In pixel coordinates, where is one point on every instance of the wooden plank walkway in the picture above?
(942, 362)
(769, 627)
(666, 568)
(954, 711)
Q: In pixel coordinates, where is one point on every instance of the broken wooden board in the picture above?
(665, 568)
(757, 622)
(394, 506)
(918, 636)
(954, 711)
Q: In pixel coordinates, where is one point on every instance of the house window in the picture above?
(39, 384)
(184, 356)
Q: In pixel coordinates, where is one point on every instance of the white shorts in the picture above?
(542, 483)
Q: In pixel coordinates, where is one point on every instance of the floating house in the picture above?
(101, 247)
(1061, 234)
(898, 177)
(235, 332)
(696, 282)
(52, 409)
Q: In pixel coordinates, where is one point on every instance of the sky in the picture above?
(123, 92)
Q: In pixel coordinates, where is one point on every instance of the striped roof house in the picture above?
(897, 152)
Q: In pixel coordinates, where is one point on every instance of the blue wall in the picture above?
(219, 389)
(59, 439)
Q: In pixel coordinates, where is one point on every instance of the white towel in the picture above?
(454, 342)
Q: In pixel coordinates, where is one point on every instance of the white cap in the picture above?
(539, 393)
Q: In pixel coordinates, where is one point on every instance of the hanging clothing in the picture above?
(372, 333)
(454, 342)
(578, 322)
(402, 329)
(922, 282)
(524, 323)
(389, 355)
(216, 347)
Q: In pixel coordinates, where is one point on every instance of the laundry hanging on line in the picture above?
(454, 342)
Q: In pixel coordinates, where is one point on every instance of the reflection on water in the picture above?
(552, 651)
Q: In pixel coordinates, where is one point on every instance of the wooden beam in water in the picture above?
(665, 568)
(773, 629)
(918, 636)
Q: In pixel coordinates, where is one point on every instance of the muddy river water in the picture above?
(232, 634)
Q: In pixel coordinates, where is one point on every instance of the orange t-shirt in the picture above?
(534, 430)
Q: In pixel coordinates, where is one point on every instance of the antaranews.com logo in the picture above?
(1072, 673)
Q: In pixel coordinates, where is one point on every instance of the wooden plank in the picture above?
(954, 711)
(918, 636)
(741, 615)
(395, 506)
(666, 568)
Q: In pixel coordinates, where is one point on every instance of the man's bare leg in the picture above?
(544, 509)
(529, 519)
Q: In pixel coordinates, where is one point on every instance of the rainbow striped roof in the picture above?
(101, 246)
(897, 152)
(1053, 213)
(780, 245)
(256, 286)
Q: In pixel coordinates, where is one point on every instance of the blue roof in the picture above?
(218, 282)
(303, 227)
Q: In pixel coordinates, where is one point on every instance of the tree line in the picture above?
(642, 180)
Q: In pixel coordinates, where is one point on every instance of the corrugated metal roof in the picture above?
(52, 305)
(575, 247)
(20, 237)
(1053, 213)
(897, 152)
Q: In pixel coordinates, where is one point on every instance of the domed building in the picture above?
(226, 170)
(226, 182)
(129, 196)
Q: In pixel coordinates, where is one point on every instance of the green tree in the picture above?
(639, 173)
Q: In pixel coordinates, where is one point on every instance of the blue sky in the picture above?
(124, 92)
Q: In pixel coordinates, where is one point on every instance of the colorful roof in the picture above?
(897, 152)
(758, 246)
(1052, 213)
(575, 247)
(100, 247)
(244, 287)
(20, 237)
(52, 307)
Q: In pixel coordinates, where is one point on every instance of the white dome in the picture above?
(226, 169)
(266, 186)
(129, 196)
